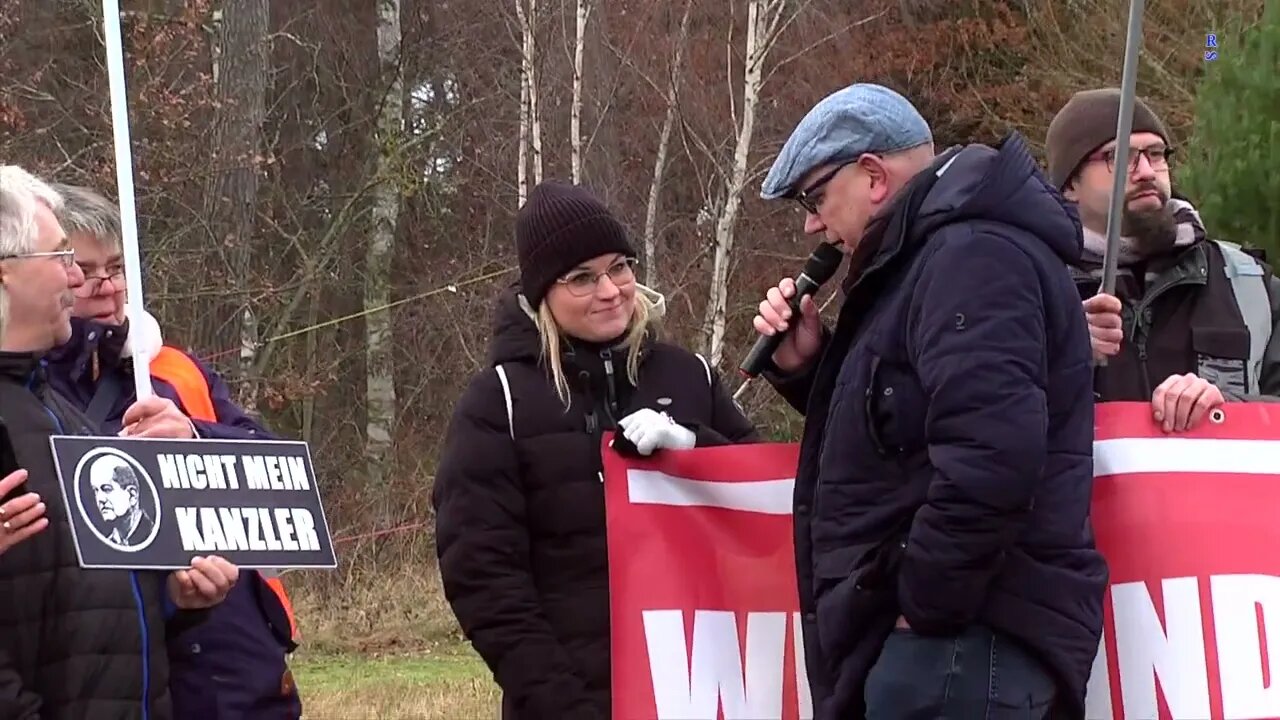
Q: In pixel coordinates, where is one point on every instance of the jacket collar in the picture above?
(1185, 265)
(91, 342)
(21, 367)
(895, 230)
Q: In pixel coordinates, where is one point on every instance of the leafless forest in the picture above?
(326, 188)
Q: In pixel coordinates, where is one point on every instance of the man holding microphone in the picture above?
(946, 563)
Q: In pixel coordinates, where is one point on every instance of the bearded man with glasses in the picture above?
(1191, 323)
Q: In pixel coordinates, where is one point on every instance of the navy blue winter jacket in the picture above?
(946, 466)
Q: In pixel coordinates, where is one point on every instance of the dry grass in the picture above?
(384, 599)
(383, 643)
(440, 687)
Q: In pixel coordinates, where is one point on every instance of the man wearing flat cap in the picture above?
(945, 558)
(1191, 323)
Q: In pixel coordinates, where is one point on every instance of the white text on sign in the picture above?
(1168, 659)
(219, 472)
(226, 529)
(695, 682)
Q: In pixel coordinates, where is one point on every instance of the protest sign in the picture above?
(700, 555)
(155, 504)
(703, 585)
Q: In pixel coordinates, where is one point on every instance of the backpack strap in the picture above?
(705, 366)
(104, 398)
(506, 396)
(1249, 285)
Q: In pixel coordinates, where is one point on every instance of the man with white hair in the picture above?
(247, 638)
(74, 643)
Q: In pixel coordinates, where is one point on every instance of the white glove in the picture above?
(145, 338)
(650, 430)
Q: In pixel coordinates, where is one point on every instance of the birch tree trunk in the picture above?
(526, 71)
(764, 23)
(380, 388)
(530, 154)
(660, 159)
(239, 56)
(535, 111)
(575, 110)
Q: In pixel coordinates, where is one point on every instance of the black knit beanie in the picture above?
(559, 227)
(1086, 123)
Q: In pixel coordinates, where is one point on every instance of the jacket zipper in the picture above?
(1142, 366)
(611, 404)
(146, 646)
(133, 579)
(606, 356)
(1140, 328)
(592, 422)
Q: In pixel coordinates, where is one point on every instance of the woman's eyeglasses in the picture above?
(93, 281)
(584, 282)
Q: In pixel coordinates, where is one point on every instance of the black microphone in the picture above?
(822, 264)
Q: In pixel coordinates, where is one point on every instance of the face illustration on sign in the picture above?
(119, 502)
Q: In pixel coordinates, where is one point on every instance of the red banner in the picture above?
(1188, 524)
(703, 577)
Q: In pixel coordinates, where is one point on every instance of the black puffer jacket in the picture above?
(75, 644)
(520, 525)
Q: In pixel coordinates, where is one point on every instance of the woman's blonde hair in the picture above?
(643, 317)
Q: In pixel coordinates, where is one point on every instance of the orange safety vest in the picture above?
(179, 370)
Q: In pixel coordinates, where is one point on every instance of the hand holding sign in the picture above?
(156, 417)
(204, 585)
(1182, 401)
(21, 517)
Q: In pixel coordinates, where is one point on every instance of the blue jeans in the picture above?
(977, 675)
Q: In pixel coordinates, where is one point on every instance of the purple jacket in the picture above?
(234, 664)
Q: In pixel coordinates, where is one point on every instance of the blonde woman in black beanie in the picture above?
(520, 522)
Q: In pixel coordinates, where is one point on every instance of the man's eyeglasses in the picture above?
(93, 280)
(1157, 157)
(68, 257)
(811, 197)
(583, 282)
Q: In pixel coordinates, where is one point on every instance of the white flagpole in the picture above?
(124, 182)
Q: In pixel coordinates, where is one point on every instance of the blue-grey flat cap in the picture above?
(861, 118)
